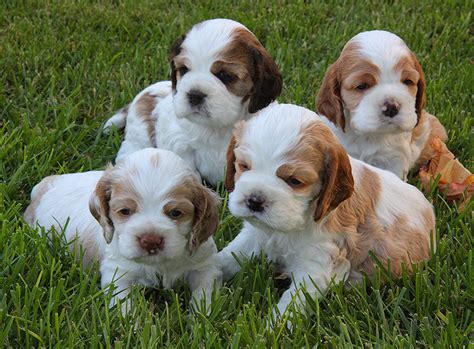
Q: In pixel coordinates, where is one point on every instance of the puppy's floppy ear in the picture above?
(206, 215)
(337, 180)
(99, 206)
(421, 91)
(229, 181)
(267, 81)
(174, 51)
(329, 100)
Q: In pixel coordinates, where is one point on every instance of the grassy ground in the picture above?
(66, 66)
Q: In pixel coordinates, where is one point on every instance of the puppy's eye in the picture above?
(183, 70)
(362, 87)
(408, 82)
(125, 212)
(243, 166)
(294, 182)
(175, 214)
(225, 77)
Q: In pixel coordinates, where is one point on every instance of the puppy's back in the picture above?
(62, 202)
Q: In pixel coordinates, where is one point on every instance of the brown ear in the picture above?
(99, 206)
(174, 51)
(421, 92)
(337, 182)
(267, 80)
(206, 216)
(229, 181)
(328, 100)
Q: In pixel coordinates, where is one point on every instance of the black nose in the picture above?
(255, 203)
(390, 109)
(196, 97)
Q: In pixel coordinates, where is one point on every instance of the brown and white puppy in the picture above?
(373, 97)
(148, 216)
(220, 74)
(313, 209)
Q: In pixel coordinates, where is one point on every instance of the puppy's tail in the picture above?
(119, 120)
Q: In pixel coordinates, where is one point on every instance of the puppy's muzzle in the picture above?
(151, 242)
(196, 98)
(390, 108)
(255, 203)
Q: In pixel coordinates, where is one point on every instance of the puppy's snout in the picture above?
(390, 108)
(255, 203)
(196, 97)
(151, 242)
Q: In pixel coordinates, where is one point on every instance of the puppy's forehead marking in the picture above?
(384, 49)
(270, 136)
(207, 39)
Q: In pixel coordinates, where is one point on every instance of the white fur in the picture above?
(123, 262)
(198, 134)
(285, 230)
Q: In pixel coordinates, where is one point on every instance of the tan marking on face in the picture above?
(181, 197)
(119, 202)
(236, 60)
(407, 69)
(43, 187)
(354, 70)
(362, 231)
(144, 108)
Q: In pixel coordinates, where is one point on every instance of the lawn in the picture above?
(66, 66)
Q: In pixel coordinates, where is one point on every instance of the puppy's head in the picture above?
(376, 85)
(154, 207)
(220, 73)
(286, 169)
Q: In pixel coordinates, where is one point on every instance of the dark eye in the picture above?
(225, 77)
(243, 166)
(175, 214)
(362, 87)
(183, 70)
(125, 212)
(408, 82)
(293, 182)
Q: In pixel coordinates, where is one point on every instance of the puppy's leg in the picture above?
(202, 283)
(314, 278)
(111, 274)
(246, 244)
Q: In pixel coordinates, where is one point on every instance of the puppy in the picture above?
(373, 98)
(220, 74)
(313, 209)
(155, 215)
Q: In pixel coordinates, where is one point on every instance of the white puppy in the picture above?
(156, 217)
(373, 97)
(313, 209)
(220, 74)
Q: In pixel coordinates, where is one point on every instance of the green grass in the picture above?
(66, 66)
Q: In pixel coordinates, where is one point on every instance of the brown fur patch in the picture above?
(362, 232)
(259, 77)
(338, 87)
(144, 108)
(435, 129)
(41, 189)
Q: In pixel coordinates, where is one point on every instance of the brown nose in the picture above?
(151, 242)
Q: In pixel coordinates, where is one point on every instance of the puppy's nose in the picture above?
(390, 108)
(151, 243)
(255, 203)
(196, 97)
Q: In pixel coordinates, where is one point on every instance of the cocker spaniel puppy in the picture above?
(220, 74)
(313, 209)
(148, 216)
(373, 97)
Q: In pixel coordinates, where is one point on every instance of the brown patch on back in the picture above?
(338, 88)
(394, 245)
(144, 108)
(428, 123)
(37, 195)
